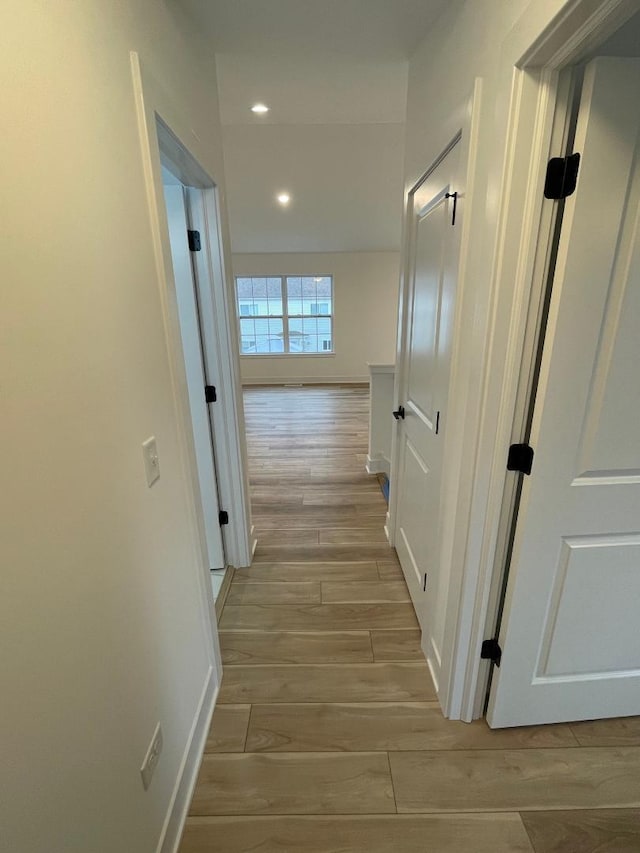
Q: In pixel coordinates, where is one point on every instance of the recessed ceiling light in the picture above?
(283, 199)
(260, 109)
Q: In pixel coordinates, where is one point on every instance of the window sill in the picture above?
(288, 355)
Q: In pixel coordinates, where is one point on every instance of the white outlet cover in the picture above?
(152, 757)
(151, 460)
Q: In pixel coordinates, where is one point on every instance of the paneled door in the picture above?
(434, 246)
(570, 636)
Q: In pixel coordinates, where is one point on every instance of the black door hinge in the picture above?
(194, 241)
(223, 517)
(399, 413)
(491, 650)
(520, 458)
(562, 176)
(210, 395)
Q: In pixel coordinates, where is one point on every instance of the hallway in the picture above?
(327, 735)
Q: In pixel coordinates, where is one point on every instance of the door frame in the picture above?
(220, 343)
(539, 52)
(159, 143)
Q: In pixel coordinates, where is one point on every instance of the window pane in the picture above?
(309, 295)
(269, 336)
(247, 336)
(295, 336)
(274, 297)
(259, 296)
(259, 285)
(294, 288)
(274, 288)
(244, 289)
(309, 335)
(310, 326)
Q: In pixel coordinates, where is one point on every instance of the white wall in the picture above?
(100, 604)
(365, 297)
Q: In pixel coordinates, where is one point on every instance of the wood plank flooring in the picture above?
(327, 736)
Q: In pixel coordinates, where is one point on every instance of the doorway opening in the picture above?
(204, 338)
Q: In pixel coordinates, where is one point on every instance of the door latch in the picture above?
(454, 196)
(399, 413)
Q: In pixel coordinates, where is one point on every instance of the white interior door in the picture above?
(570, 637)
(192, 350)
(424, 382)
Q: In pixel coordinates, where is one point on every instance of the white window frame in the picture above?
(285, 317)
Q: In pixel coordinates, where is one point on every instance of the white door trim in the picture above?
(537, 52)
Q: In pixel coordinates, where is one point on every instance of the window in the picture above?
(285, 314)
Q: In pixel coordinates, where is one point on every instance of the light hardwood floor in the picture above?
(327, 737)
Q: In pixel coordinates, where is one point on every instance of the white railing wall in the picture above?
(381, 379)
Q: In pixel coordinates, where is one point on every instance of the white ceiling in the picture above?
(334, 74)
(345, 182)
(310, 90)
(361, 29)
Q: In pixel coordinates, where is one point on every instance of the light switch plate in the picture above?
(151, 461)
(152, 757)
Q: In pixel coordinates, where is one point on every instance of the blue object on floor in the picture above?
(384, 485)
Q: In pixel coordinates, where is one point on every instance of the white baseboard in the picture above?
(223, 592)
(387, 529)
(306, 380)
(254, 541)
(377, 464)
(189, 767)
